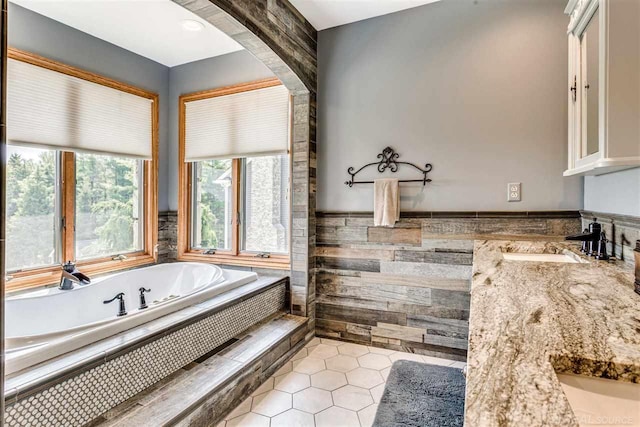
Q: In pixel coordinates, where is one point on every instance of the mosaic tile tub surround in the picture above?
(83, 396)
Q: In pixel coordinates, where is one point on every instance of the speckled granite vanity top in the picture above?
(531, 319)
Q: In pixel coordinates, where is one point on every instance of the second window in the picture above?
(235, 175)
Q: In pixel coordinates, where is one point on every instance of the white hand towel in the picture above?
(386, 202)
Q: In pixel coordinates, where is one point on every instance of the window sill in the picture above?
(51, 275)
(276, 262)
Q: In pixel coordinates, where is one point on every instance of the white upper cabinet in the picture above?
(604, 86)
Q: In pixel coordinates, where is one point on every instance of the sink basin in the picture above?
(523, 257)
(601, 402)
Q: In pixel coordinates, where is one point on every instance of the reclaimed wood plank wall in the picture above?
(407, 288)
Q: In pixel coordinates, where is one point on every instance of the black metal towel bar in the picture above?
(389, 160)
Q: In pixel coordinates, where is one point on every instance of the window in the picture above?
(33, 208)
(71, 194)
(109, 206)
(235, 193)
(265, 204)
(212, 213)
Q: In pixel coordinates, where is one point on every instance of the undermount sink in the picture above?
(524, 257)
(602, 402)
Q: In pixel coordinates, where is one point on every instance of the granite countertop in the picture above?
(531, 319)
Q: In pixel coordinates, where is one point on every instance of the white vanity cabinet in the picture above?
(604, 86)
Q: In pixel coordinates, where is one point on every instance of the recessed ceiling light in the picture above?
(191, 25)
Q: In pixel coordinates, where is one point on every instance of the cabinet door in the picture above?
(590, 48)
(588, 89)
(574, 96)
(604, 77)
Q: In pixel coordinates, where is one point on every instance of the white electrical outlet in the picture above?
(513, 192)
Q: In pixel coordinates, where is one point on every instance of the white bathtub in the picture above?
(45, 323)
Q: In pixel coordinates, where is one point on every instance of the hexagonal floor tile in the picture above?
(376, 392)
(293, 418)
(323, 351)
(328, 380)
(312, 400)
(374, 361)
(342, 363)
(284, 369)
(264, 387)
(406, 356)
(385, 373)
(378, 350)
(271, 403)
(436, 361)
(313, 342)
(354, 350)
(329, 341)
(336, 416)
(309, 365)
(351, 397)
(300, 355)
(366, 415)
(249, 420)
(365, 378)
(292, 382)
(241, 409)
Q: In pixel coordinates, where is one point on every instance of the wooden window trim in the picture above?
(50, 275)
(234, 256)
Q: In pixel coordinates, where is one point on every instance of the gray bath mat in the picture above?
(422, 395)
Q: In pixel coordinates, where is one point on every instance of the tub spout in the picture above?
(71, 275)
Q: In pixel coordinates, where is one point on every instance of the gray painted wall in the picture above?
(381, 83)
(478, 88)
(225, 70)
(617, 193)
(38, 34)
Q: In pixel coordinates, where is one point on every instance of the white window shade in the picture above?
(54, 110)
(244, 124)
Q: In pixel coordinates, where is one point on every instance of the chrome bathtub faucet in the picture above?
(70, 275)
(122, 311)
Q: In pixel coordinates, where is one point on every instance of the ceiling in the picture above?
(325, 14)
(153, 28)
(150, 28)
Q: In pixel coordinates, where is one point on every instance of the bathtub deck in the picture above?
(203, 392)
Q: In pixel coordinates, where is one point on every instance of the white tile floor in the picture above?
(328, 383)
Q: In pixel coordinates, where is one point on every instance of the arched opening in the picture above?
(276, 34)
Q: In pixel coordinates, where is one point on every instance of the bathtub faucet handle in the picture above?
(122, 311)
(143, 302)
